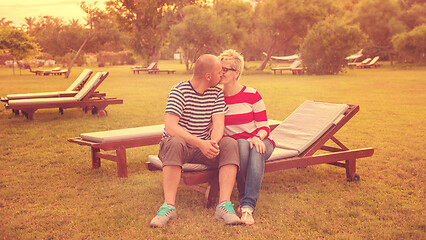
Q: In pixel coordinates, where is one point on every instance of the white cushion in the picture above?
(80, 79)
(32, 95)
(41, 101)
(280, 153)
(187, 167)
(88, 86)
(123, 134)
(307, 124)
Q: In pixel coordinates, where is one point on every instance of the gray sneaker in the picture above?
(163, 216)
(227, 214)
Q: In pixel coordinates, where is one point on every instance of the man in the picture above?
(194, 125)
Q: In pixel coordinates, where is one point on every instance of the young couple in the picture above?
(227, 129)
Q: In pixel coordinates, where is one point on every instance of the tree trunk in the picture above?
(268, 56)
(67, 74)
(13, 65)
(389, 56)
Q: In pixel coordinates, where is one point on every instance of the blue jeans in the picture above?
(250, 174)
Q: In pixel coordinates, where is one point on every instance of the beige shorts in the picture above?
(175, 151)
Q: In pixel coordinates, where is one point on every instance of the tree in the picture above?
(411, 45)
(379, 20)
(140, 20)
(211, 29)
(282, 24)
(17, 43)
(196, 34)
(327, 44)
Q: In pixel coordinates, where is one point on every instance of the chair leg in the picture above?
(96, 161)
(350, 166)
(212, 192)
(121, 162)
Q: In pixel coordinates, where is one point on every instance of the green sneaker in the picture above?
(227, 214)
(164, 214)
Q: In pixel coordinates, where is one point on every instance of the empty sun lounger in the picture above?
(71, 91)
(298, 137)
(372, 63)
(85, 99)
(294, 67)
(151, 66)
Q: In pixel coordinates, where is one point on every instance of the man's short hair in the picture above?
(204, 64)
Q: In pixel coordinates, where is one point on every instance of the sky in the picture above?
(17, 10)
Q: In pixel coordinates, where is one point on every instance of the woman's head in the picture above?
(232, 61)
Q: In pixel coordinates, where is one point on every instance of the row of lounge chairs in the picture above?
(55, 71)
(296, 68)
(151, 69)
(80, 94)
(298, 138)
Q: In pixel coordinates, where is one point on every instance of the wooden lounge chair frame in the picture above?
(159, 71)
(90, 101)
(71, 91)
(306, 158)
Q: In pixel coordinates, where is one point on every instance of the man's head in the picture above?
(209, 68)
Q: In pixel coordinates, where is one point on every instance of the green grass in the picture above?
(49, 191)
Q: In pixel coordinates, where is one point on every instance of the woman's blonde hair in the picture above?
(236, 59)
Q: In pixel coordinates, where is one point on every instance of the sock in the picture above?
(223, 203)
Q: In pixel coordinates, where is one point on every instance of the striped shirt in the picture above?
(246, 115)
(195, 110)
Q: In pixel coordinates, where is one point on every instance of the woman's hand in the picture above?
(260, 146)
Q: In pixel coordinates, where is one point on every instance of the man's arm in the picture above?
(208, 148)
(218, 126)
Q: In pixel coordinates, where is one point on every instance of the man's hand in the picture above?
(209, 148)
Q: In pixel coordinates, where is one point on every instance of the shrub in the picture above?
(411, 45)
(327, 44)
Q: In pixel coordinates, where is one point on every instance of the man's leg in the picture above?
(227, 175)
(172, 152)
(228, 167)
(171, 179)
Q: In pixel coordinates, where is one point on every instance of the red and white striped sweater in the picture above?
(246, 115)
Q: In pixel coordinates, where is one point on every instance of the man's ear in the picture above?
(208, 76)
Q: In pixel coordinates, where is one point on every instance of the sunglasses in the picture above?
(225, 69)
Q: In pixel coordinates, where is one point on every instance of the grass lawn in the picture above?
(49, 191)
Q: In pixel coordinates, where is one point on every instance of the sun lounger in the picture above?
(85, 99)
(71, 91)
(152, 66)
(293, 67)
(298, 137)
(355, 64)
(121, 139)
(54, 71)
(372, 63)
(159, 71)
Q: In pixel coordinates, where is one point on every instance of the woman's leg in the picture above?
(254, 175)
(244, 151)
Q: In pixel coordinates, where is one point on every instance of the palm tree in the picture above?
(4, 22)
(30, 23)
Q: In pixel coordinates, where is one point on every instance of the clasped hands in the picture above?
(209, 148)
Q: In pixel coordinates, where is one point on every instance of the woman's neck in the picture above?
(231, 89)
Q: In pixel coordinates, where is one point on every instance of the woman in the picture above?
(246, 121)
